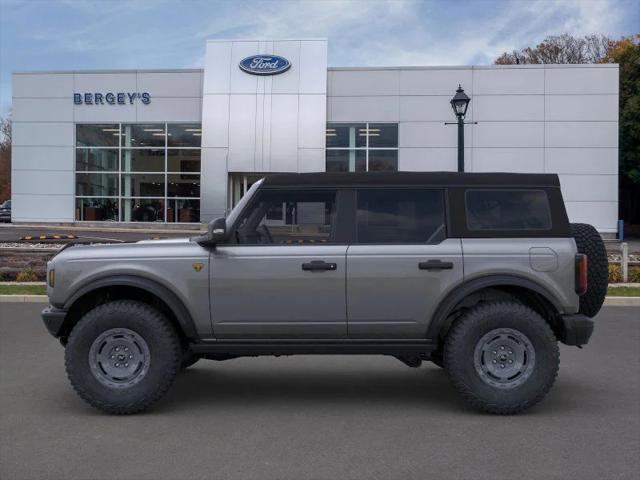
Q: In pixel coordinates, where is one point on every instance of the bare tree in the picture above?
(560, 49)
(5, 158)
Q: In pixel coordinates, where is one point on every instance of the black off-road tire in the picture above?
(460, 357)
(589, 242)
(189, 358)
(162, 346)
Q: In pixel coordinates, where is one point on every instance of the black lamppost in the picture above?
(460, 103)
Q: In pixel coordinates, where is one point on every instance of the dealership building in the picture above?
(181, 146)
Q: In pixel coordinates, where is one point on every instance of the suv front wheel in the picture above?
(122, 356)
(502, 356)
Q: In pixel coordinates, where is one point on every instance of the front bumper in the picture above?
(54, 320)
(575, 329)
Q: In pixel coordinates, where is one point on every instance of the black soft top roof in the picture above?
(414, 178)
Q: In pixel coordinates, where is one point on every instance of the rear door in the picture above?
(401, 264)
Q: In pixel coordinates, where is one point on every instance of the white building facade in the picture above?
(182, 146)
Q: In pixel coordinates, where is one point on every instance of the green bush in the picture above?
(27, 275)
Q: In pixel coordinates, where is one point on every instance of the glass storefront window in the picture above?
(143, 209)
(383, 160)
(181, 185)
(186, 161)
(144, 135)
(183, 211)
(151, 175)
(142, 160)
(383, 135)
(96, 209)
(184, 135)
(103, 135)
(361, 147)
(96, 185)
(96, 159)
(346, 135)
(346, 161)
(143, 185)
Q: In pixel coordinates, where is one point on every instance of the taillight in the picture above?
(581, 274)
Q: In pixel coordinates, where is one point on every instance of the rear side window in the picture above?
(400, 216)
(514, 209)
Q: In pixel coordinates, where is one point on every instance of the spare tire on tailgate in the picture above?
(590, 243)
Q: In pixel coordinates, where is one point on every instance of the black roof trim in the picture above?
(413, 178)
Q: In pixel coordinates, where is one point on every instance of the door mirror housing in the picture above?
(216, 233)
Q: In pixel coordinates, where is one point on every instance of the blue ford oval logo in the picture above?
(265, 64)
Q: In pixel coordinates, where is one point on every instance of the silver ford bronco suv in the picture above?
(480, 273)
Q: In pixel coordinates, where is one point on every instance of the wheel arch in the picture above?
(135, 288)
(523, 289)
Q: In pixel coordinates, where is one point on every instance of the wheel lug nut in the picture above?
(126, 349)
(502, 366)
(126, 364)
(502, 348)
(117, 364)
(495, 361)
(117, 349)
(510, 361)
(130, 356)
(495, 353)
(113, 356)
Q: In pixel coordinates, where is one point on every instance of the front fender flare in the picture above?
(174, 303)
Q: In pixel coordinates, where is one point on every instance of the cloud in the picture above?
(86, 34)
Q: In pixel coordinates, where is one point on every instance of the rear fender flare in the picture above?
(447, 305)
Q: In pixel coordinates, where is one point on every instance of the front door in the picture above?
(401, 263)
(283, 274)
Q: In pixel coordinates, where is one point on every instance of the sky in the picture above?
(108, 34)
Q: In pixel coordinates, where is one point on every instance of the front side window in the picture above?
(288, 217)
(400, 216)
(507, 210)
(362, 147)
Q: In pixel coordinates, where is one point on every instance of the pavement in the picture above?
(315, 417)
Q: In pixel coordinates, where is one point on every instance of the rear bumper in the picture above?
(575, 329)
(54, 320)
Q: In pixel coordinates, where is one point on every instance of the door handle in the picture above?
(435, 265)
(319, 266)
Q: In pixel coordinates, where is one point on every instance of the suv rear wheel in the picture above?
(502, 357)
(122, 356)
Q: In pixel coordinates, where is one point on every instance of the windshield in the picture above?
(233, 215)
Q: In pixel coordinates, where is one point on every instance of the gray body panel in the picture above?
(529, 258)
(166, 262)
(262, 292)
(388, 296)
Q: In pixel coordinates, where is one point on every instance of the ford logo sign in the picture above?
(265, 64)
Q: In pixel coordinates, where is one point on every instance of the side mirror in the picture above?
(217, 230)
(216, 233)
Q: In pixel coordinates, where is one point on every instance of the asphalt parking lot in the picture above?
(317, 417)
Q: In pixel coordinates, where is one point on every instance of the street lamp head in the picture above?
(460, 102)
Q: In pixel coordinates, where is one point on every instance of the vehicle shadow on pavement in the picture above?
(207, 385)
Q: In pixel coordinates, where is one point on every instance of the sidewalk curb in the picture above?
(609, 301)
(622, 301)
(24, 299)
